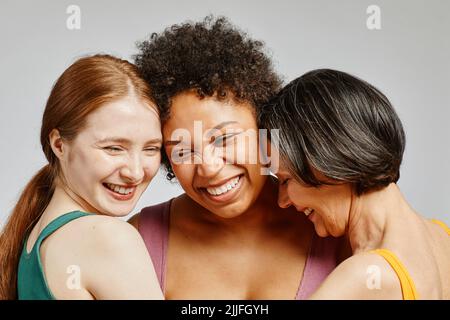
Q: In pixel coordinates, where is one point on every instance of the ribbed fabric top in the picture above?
(31, 280)
(154, 229)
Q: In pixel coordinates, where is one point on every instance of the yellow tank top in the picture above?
(442, 224)
(409, 290)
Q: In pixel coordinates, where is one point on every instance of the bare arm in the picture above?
(120, 266)
(364, 276)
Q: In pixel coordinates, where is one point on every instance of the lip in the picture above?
(302, 210)
(311, 216)
(122, 197)
(123, 185)
(217, 184)
(227, 196)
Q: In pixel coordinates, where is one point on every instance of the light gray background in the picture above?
(408, 59)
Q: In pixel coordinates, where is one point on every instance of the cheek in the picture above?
(84, 165)
(246, 150)
(84, 172)
(338, 201)
(78, 158)
(291, 193)
(152, 166)
(254, 171)
(94, 165)
(299, 195)
(184, 174)
(104, 165)
(335, 209)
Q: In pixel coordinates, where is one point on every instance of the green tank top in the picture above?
(31, 281)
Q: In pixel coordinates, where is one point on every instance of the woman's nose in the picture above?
(133, 170)
(283, 198)
(210, 164)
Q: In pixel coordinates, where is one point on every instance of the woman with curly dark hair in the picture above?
(225, 237)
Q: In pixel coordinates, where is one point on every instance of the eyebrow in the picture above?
(126, 141)
(171, 142)
(218, 127)
(223, 124)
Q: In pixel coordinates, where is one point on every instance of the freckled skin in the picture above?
(89, 163)
(110, 254)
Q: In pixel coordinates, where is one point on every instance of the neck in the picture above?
(374, 213)
(63, 201)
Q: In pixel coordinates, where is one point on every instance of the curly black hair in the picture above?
(212, 57)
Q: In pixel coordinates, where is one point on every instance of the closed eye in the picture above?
(113, 149)
(183, 153)
(153, 149)
(221, 141)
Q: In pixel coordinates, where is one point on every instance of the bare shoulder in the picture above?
(93, 244)
(118, 263)
(362, 276)
(440, 247)
(439, 233)
(97, 235)
(103, 233)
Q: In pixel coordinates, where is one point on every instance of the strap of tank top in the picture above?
(154, 229)
(58, 223)
(320, 262)
(406, 282)
(442, 224)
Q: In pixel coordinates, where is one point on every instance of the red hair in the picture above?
(86, 85)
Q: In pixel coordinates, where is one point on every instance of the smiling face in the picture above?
(327, 206)
(212, 147)
(110, 163)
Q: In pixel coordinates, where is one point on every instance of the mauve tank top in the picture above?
(154, 229)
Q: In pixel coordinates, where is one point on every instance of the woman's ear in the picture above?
(56, 143)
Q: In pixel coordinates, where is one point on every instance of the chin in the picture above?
(227, 214)
(118, 212)
(337, 234)
(222, 212)
(321, 232)
(232, 210)
(117, 208)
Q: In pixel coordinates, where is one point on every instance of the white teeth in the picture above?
(308, 211)
(223, 188)
(119, 189)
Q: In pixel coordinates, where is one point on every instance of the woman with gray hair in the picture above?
(341, 144)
